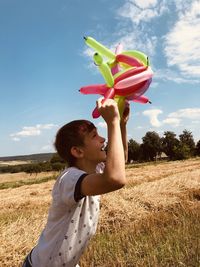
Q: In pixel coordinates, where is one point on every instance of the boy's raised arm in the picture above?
(113, 177)
(123, 123)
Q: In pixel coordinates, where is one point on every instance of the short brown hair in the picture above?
(71, 134)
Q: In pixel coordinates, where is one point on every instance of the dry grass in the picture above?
(14, 162)
(13, 177)
(154, 221)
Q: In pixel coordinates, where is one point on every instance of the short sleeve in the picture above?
(68, 183)
(77, 193)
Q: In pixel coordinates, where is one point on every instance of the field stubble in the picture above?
(153, 221)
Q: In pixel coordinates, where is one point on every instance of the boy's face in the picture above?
(94, 146)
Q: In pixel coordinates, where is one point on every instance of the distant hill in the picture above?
(33, 157)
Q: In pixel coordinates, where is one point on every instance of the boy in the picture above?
(73, 214)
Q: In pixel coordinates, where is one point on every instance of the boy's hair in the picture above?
(71, 134)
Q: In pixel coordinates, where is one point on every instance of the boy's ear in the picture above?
(77, 152)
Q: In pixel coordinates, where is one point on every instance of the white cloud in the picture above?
(173, 119)
(137, 40)
(128, 41)
(182, 42)
(46, 126)
(175, 122)
(46, 148)
(31, 131)
(153, 115)
(27, 131)
(102, 124)
(189, 113)
(145, 3)
(16, 139)
(182, 6)
(169, 75)
(142, 11)
(134, 38)
(89, 52)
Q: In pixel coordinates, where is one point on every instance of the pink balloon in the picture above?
(108, 95)
(141, 99)
(128, 73)
(140, 91)
(132, 61)
(94, 89)
(130, 90)
(116, 68)
(95, 113)
(133, 80)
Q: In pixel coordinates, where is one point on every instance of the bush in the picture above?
(181, 152)
(58, 166)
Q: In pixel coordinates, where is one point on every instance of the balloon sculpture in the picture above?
(127, 75)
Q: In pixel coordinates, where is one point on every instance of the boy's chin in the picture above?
(103, 157)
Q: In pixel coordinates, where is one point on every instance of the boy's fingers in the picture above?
(99, 102)
(102, 102)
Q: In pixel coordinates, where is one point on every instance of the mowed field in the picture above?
(154, 221)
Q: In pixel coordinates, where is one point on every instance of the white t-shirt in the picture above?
(70, 223)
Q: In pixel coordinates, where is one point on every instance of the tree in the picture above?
(151, 146)
(133, 150)
(169, 144)
(33, 168)
(186, 138)
(58, 166)
(181, 151)
(56, 158)
(57, 163)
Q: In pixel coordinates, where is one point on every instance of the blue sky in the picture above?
(44, 62)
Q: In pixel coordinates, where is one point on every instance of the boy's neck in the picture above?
(88, 167)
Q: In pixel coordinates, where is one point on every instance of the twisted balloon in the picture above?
(127, 75)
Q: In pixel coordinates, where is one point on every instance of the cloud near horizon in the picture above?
(153, 116)
(28, 131)
(102, 124)
(175, 118)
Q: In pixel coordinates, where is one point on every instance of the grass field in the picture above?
(14, 162)
(153, 221)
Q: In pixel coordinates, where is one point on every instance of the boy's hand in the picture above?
(126, 113)
(108, 110)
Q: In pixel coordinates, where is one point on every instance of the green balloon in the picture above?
(121, 72)
(139, 55)
(98, 59)
(104, 69)
(120, 103)
(99, 48)
(106, 73)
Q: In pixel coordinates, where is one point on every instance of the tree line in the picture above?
(54, 164)
(153, 146)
